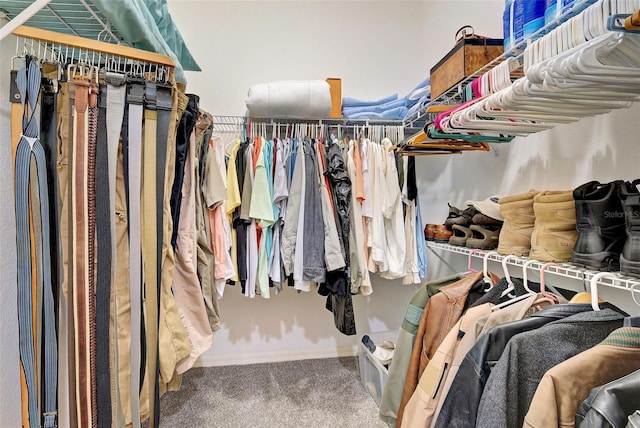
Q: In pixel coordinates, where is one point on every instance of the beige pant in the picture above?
(174, 344)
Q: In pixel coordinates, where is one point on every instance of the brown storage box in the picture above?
(335, 85)
(464, 59)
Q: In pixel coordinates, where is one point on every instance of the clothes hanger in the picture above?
(633, 321)
(594, 288)
(583, 296)
(546, 296)
(508, 291)
(485, 270)
(529, 292)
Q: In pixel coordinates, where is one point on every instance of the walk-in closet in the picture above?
(320, 213)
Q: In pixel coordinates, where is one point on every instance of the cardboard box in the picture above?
(467, 56)
(335, 85)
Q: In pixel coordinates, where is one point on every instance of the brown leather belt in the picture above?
(79, 242)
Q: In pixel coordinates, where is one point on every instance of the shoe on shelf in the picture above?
(630, 258)
(600, 224)
(484, 237)
(441, 234)
(484, 220)
(519, 219)
(554, 233)
(458, 216)
(460, 235)
(429, 231)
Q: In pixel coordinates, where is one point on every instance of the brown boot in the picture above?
(554, 233)
(515, 236)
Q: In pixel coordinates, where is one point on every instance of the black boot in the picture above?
(630, 257)
(600, 224)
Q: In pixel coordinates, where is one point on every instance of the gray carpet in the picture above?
(309, 393)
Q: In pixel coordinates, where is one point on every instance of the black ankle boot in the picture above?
(600, 224)
(630, 257)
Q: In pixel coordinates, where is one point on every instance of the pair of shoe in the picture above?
(471, 228)
(437, 233)
(608, 223)
(541, 225)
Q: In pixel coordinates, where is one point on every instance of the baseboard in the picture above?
(274, 356)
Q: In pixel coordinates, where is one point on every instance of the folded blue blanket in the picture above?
(348, 111)
(395, 113)
(353, 102)
(422, 102)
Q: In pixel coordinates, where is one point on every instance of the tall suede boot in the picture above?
(630, 257)
(600, 224)
(554, 233)
(515, 236)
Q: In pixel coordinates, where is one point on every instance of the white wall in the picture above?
(377, 48)
(9, 356)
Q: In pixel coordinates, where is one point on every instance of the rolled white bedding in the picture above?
(290, 99)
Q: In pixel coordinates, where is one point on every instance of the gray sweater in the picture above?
(528, 356)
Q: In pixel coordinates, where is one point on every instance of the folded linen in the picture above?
(348, 111)
(395, 113)
(354, 102)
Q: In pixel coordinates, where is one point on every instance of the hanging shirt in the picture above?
(233, 201)
(378, 261)
(367, 178)
(252, 232)
(393, 216)
(360, 279)
(280, 195)
(421, 246)
(332, 251)
(262, 212)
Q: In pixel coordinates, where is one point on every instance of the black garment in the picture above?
(460, 406)
(412, 184)
(185, 128)
(48, 139)
(340, 302)
(610, 405)
(494, 295)
(238, 223)
(340, 185)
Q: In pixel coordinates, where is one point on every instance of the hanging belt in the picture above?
(28, 84)
(80, 252)
(135, 98)
(116, 93)
(91, 206)
(103, 272)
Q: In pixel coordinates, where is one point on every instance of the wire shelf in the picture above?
(75, 17)
(567, 270)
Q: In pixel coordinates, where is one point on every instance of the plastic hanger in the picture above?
(594, 288)
(508, 291)
(633, 321)
(529, 292)
(485, 269)
(546, 296)
(470, 269)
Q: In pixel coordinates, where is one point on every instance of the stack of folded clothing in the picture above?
(386, 108)
(390, 107)
(419, 97)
